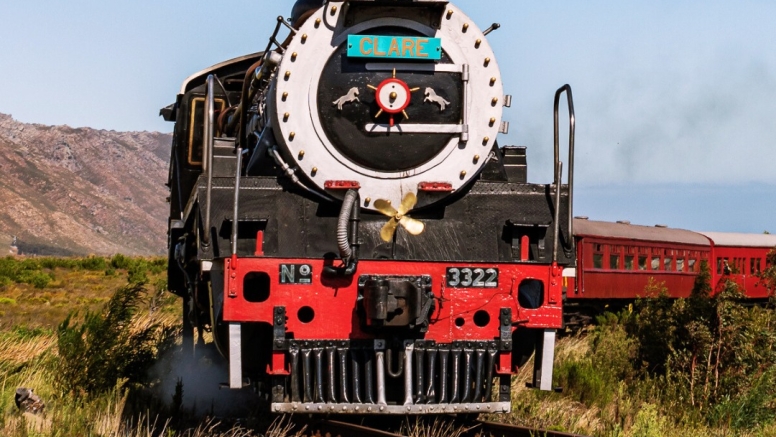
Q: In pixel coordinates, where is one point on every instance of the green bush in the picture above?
(119, 261)
(93, 263)
(593, 380)
(104, 349)
(40, 280)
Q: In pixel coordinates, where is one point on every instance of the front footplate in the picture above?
(313, 408)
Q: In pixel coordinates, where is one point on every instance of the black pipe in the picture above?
(468, 356)
(419, 353)
(456, 376)
(308, 375)
(444, 355)
(489, 374)
(318, 375)
(343, 364)
(369, 378)
(294, 352)
(331, 382)
(477, 397)
(431, 375)
(355, 360)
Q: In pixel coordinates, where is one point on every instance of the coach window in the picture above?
(691, 265)
(680, 264)
(655, 263)
(642, 262)
(628, 262)
(719, 266)
(598, 261)
(756, 265)
(667, 261)
(614, 262)
(598, 255)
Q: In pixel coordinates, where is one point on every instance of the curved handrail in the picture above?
(558, 175)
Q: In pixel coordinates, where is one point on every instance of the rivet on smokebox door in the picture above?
(285, 116)
(317, 22)
(293, 56)
(288, 74)
(477, 43)
(487, 61)
(465, 27)
(333, 10)
(492, 121)
(285, 96)
(492, 81)
(314, 171)
(367, 201)
(463, 174)
(495, 101)
(449, 14)
(301, 154)
(476, 158)
(291, 136)
(304, 38)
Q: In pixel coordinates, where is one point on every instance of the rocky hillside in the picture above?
(82, 191)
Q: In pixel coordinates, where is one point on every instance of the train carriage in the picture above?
(741, 257)
(617, 261)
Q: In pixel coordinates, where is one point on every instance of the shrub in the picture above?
(710, 353)
(105, 348)
(119, 261)
(40, 280)
(137, 273)
(93, 263)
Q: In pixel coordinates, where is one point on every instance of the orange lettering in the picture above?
(420, 50)
(365, 51)
(407, 45)
(377, 49)
(394, 50)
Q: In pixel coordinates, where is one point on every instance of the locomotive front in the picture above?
(344, 221)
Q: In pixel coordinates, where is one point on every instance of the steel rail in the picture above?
(502, 429)
(347, 429)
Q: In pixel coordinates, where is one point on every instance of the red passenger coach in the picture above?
(741, 257)
(617, 260)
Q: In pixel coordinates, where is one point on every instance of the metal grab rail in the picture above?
(558, 166)
(207, 158)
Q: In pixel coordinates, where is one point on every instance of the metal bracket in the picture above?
(279, 342)
(505, 329)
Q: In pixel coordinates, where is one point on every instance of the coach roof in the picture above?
(741, 240)
(590, 228)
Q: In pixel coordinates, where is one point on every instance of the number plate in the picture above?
(296, 274)
(395, 47)
(467, 277)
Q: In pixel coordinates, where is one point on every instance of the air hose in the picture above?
(347, 233)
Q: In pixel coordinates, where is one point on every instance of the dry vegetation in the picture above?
(694, 367)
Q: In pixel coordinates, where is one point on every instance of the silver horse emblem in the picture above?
(431, 96)
(351, 96)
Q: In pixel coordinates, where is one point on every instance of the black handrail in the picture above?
(558, 174)
(207, 152)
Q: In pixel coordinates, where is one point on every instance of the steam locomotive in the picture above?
(344, 221)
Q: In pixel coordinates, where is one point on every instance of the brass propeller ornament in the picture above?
(399, 217)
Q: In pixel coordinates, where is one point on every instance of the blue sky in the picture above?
(674, 99)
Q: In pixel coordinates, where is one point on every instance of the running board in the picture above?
(320, 408)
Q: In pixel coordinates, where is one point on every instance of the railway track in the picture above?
(462, 428)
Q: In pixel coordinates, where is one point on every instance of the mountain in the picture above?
(78, 191)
